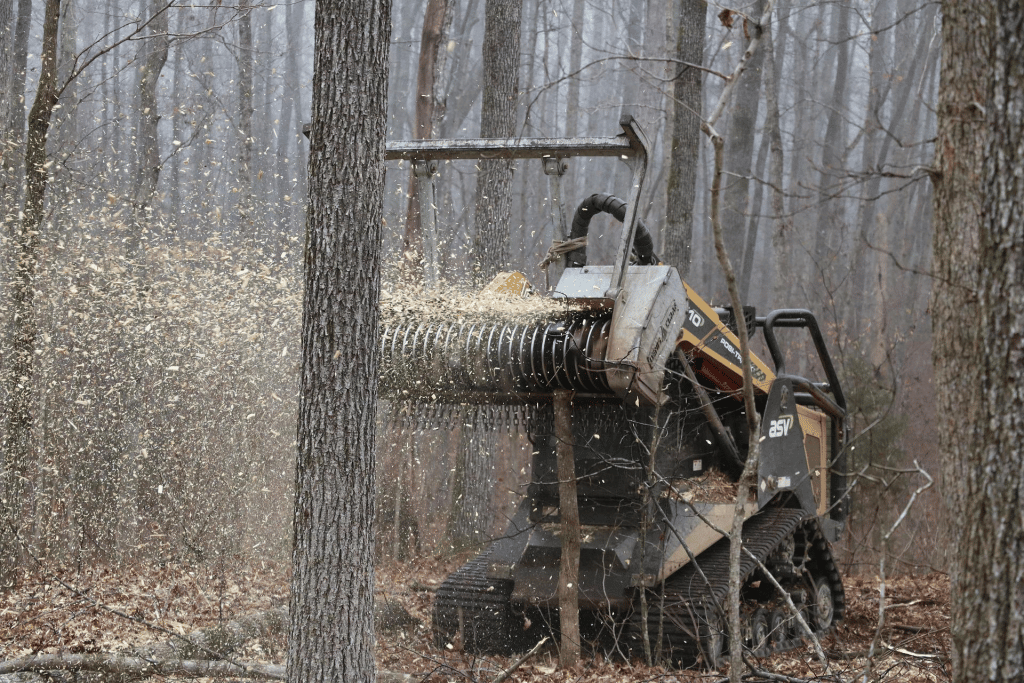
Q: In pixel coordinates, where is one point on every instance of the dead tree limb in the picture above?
(222, 638)
(137, 667)
(171, 657)
(31, 669)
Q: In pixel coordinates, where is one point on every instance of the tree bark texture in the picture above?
(497, 120)
(988, 602)
(978, 249)
(17, 444)
(332, 586)
(682, 174)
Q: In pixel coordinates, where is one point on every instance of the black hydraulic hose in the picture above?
(643, 245)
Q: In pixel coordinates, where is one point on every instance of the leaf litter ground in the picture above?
(40, 615)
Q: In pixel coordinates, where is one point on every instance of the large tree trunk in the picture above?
(332, 584)
(990, 633)
(980, 209)
(682, 174)
(978, 248)
(497, 120)
(17, 443)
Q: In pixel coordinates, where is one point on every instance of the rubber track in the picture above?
(475, 613)
(692, 603)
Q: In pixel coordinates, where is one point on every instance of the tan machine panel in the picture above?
(812, 422)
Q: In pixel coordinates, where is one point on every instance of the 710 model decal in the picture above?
(780, 427)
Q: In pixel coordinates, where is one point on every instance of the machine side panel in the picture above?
(705, 334)
(783, 464)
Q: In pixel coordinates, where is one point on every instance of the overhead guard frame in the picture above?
(631, 147)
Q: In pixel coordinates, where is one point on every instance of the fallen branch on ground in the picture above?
(218, 640)
(519, 662)
(13, 670)
(169, 658)
(137, 667)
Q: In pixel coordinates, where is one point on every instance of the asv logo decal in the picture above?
(780, 427)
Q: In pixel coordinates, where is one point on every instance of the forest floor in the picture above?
(110, 610)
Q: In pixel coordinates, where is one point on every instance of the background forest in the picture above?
(165, 288)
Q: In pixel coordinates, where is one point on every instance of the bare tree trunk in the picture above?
(497, 120)
(867, 278)
(568, 508)
(437, 22)
(979, 254)
(467, 78)
(13, 123)
(248, 220)
(155, 47)
(991, 634)
(739, 152)
(331, 637)
(572, 102)
(682, 175)
(17, 444)
(754, 218)
(829, 221)
(471, 512)
(7, 104)
(862, 261)
(958, 352)
(178, 93)
(289, 154)
(782, 234)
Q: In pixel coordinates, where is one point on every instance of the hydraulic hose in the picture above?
(643, 245)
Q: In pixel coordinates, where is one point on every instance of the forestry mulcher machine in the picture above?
(659, 438)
